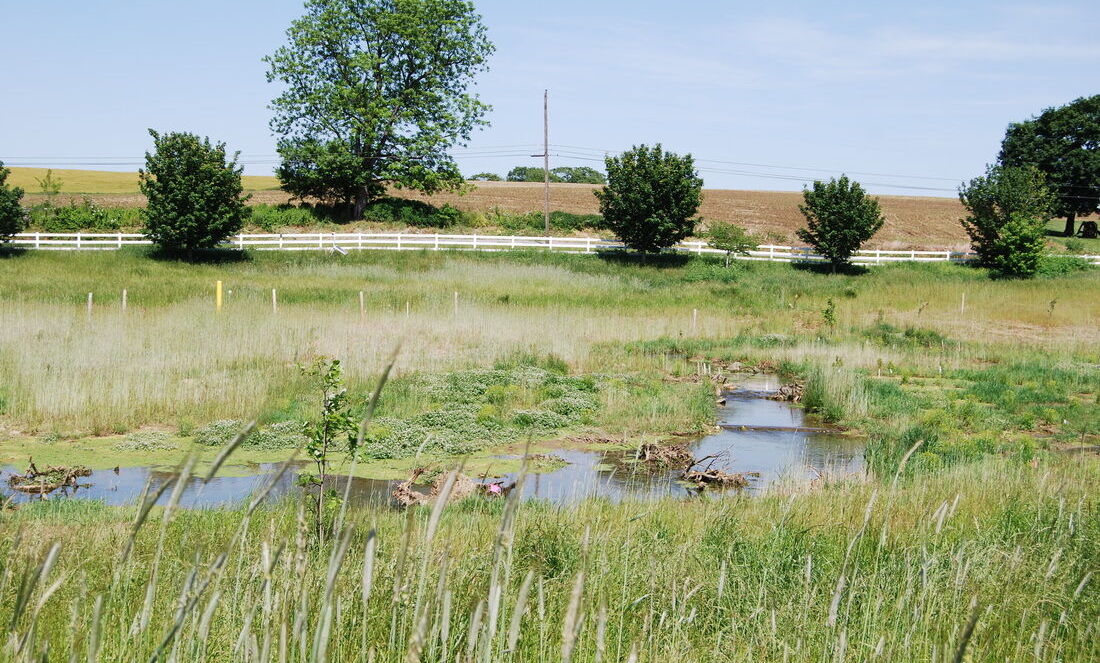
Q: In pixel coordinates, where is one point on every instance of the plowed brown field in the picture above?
(911, 221)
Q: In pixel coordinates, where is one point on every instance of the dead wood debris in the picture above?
(789, 392)
(405, 495)
(593, 439)
(670, 455)
(41, 482)
(706, 478)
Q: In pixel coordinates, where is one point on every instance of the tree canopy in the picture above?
(12, 217)
(650, 198)
(561, 174)
(840, 217)
(1009, 209)
(375, 93)
(193, 191)
(731, 238)
(1064, 143)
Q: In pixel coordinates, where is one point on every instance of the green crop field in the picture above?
(972, 535)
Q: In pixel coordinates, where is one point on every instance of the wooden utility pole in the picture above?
(545, 160)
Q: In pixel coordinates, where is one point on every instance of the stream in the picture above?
(756, 434)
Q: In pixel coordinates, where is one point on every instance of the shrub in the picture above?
(146, 441)
(1051, 266)
(893, 337)
(12, 217)
(650, 198)
(840, 217)
(1008, 212)
(218, 433)
(281, 435)
(731, 238)
(1074, 245)
(271, 218)
(194, 193)
(84, 216)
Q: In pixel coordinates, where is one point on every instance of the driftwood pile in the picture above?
(405, 495)
(704, 478)
(670, 455)
(789, 392)
(678, 455)
(41, 482)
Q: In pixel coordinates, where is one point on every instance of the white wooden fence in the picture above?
(439, 242)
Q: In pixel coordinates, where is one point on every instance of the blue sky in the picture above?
(762, 94)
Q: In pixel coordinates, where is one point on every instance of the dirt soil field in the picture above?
(911, 221)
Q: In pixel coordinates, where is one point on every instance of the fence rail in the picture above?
(440, 242)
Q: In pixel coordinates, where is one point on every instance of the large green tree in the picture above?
(650, 198)
(1064, 143)
(840, 217)
(193, 191)
(376, 92)
(1009, 208)
(13, 219)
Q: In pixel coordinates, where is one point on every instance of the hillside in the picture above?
(911, 221)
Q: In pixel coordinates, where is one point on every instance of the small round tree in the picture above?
(194, 193)
(650, 198)
(840, 217)
(731, 238)
(1009, 211)
(13, 219)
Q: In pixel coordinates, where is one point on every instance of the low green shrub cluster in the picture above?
(475, 409)
(1053, 266)
(84, 216)
(146, 441)
(281, 435)
(417, 214)
(889, 336)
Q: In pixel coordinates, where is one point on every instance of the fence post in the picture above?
(437, 241)
(513, 241)
(398, 241)
(771, 253)
(320, 240)
(588, 245)
(475, 241)
(38, 240)
(240, 241)
(280, 241)
(359, 236)
(78, 246)
(912, 255)
(120, 242)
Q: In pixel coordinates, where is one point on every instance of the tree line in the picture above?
(374, 94)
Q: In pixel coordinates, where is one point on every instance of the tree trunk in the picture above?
(1070, 218)
(360, 204)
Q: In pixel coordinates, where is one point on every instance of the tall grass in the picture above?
(856, 573)
(170, 360)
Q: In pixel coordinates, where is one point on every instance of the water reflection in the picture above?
(774, 453)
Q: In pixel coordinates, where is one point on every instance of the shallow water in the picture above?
(779, 452)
